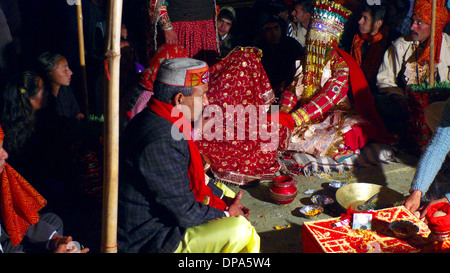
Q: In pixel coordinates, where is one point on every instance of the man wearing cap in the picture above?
(406, 63)
(165, 205)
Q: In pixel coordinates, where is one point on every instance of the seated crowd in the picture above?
(323, 78)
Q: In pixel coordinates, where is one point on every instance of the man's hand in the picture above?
(424, 212)
(236, 208)
(412, 203)
(61, 243)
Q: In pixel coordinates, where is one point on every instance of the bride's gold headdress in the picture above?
(327, 26)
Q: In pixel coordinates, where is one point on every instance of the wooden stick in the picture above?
(82, 56)
(432, 46)
(111, 130)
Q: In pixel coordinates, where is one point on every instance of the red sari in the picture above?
(239, 79)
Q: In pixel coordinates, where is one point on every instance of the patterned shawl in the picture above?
(19, 202)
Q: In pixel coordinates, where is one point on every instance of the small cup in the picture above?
(403, 229)
(322, 200)
(311, 211)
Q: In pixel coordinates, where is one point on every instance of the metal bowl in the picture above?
(403, 229)
(322, 200)
(355, 194)
(311, 211)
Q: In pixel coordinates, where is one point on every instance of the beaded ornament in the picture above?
(327, 26)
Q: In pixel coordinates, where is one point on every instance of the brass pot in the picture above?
(355, 194)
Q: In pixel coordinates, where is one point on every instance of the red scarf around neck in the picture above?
(19, 202)
(376, 48)
(378, 44)
(196, 172)
(360, 39)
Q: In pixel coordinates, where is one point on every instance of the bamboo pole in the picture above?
(432, 43)
(82, 56)
(111, 130)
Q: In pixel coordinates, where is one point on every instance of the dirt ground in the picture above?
(279, 226)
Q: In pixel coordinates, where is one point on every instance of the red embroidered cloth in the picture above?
(19, 202)
(322, 237)
(240, 80)
(199, 39)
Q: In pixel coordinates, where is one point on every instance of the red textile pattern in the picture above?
(321, 236)
(196, 172)
(19, 202)
(333, 91)
(239, 80)
(198, 39)
(357, 137)
(419, 132)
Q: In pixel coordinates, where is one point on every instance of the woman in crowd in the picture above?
(62, 117)
(23, 96)
(34, 147)
(57, 76)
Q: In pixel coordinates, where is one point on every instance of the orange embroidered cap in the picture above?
(183, 72)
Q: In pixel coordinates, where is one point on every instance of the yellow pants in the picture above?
(223, 235)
